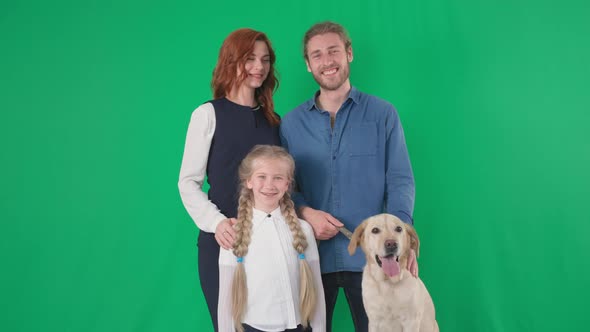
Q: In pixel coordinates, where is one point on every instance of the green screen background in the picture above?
(95, 99)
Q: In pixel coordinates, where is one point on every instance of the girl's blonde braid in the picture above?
(307, 292)
(243, 230)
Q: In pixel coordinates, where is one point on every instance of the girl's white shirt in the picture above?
(272, 277)
(194, 166)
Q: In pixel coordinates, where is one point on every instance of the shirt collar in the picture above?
(259, 215)
(353, 94)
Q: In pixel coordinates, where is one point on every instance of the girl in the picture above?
(271, 279)
(220, 134)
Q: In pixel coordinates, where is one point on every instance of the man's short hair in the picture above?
(323, 28)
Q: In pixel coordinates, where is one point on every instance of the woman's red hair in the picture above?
(233, 55)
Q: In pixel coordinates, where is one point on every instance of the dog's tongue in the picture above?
(390, 266)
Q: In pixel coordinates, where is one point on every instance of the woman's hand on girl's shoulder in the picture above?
(225, 234)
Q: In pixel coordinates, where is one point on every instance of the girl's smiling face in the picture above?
(269, 182)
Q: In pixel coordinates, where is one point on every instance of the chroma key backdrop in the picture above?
(95, 100)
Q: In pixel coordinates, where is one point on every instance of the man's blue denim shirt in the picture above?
(355, 170)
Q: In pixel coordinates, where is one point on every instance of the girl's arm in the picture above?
(318, 322)
(225, 321)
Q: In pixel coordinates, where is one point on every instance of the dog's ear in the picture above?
(356, 238)
(413, 238)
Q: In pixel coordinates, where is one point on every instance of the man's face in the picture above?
(328, 60)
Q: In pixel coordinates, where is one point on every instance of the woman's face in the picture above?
(257, 66)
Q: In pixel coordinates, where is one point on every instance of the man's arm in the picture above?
(399, 176)
(401, 189)
(324, 224)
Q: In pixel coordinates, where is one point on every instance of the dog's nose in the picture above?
(390, 244)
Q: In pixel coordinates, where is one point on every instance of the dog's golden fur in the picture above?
(394, 300)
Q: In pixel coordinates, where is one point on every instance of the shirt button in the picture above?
(333, 157)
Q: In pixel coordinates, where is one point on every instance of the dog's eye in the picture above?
(398, 229)
(375, 230)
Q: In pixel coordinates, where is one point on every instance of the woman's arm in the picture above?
(200, 132)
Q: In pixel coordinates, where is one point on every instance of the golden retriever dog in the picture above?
(393, 298)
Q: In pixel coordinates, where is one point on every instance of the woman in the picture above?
(220, 134)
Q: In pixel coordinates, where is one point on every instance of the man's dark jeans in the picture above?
(351, 283)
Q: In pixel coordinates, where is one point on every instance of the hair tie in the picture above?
(301, 256)
(240, 259)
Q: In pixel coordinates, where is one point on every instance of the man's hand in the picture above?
(225, 234)
(413, 263)
(324, 224)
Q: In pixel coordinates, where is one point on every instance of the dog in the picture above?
(394, 300)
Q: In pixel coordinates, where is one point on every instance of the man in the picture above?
(351, 163)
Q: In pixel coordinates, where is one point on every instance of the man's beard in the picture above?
(331, 85)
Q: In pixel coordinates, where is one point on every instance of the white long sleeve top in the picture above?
(199, 135)
(272, 277)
